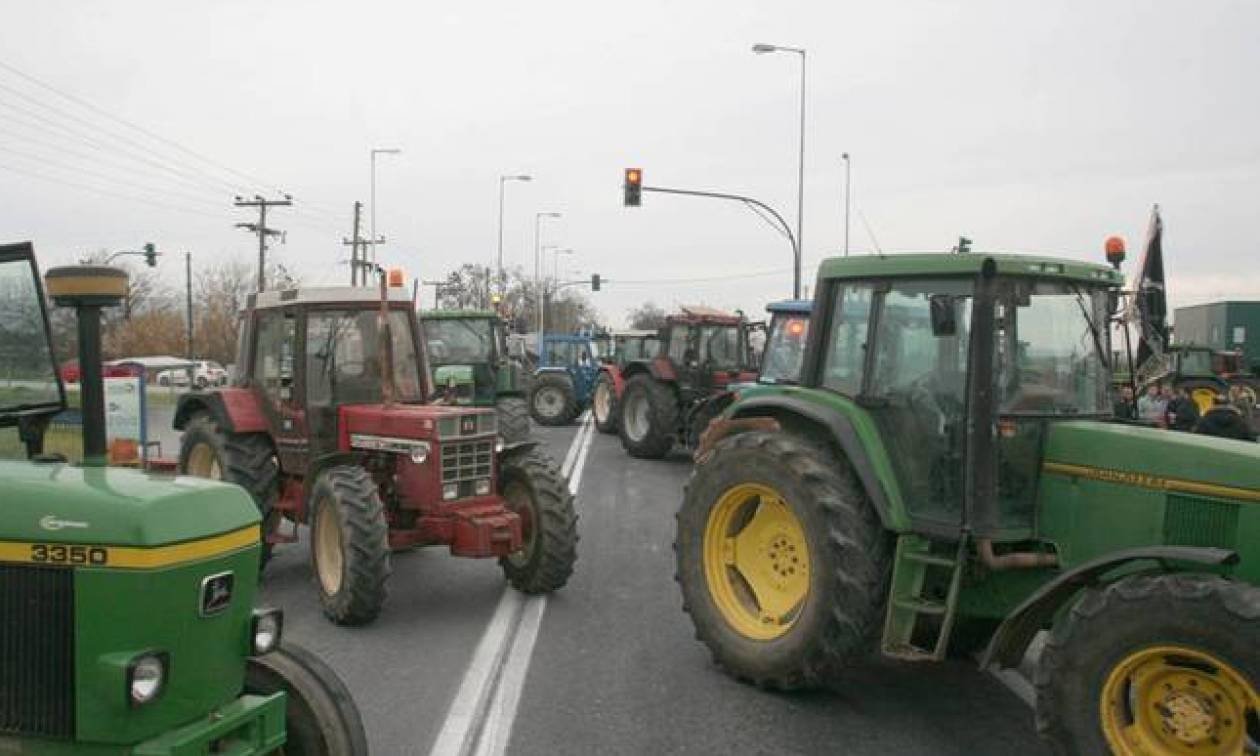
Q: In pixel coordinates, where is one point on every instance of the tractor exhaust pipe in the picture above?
(385, 351)
(1016, 560)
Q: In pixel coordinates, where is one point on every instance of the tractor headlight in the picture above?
(265, 630)
(498, 444)
(146, 677)
(450, 491)
(482, 487)
(419, 452)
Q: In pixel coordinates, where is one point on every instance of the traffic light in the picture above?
(594, 282)
(150, 255)
(634, 187)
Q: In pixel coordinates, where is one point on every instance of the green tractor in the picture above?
(947, 477)
(468, 354)
(127, 615)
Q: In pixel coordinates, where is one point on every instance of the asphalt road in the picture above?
(609, 664)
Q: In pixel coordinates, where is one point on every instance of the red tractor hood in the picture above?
(417, 420)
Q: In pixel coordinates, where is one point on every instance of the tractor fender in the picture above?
(1010, 642)
(552, 370)
(617, 377)
(235, 410)
(828, 423)
(321, 463)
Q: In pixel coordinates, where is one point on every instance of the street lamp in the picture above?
(375, 152)
(503, 180)
(538, 217)
(847, 203)
(761, 49)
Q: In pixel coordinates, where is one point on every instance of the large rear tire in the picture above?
(531, 483)
(321, 718)
(648, 421)
(514, 424)
(604, 405)
(349, 545)
(1154, 664)
(246, 459)
(783, 563)
(552, 401)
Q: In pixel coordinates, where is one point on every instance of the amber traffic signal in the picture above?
(634, 187)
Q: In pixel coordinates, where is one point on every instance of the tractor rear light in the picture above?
(482, 487)
(146, 677)
(265, 630)
(450, 491)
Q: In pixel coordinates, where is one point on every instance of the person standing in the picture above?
(1152, 406)
(1225, 421)
(1124, 408)
(1182, 412)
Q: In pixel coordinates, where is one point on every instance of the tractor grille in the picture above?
(466, 461)
(36, 651)
(1199, 521)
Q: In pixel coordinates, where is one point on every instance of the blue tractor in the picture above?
(568, 366)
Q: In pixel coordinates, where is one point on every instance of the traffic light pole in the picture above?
(782, 225)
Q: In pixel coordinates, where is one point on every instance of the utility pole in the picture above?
(261, 229)
(354, 243)
(188, 302)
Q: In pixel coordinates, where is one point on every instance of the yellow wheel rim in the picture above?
(204, 463)
(328, 556)
(1176, 700)
(1203, 397)
(756, 561)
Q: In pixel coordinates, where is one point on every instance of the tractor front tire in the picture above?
(321, 718)
(648, 418)
(782, 560)
(349, 544)
(552, 401)
(1154, 664)
(531, 483)
(514, 423)
(604, 405)
(246, 459)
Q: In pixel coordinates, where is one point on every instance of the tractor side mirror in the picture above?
(944, 318)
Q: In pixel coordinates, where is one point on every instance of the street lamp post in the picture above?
(847, 203)
(538, 217)
(502, 181)
(375, 152)
(761, 48)
(555, 263)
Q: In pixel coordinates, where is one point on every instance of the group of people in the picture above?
(1162, 406)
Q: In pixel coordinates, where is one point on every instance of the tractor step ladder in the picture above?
(907, 604)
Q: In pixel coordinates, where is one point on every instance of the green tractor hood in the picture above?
(62, 503)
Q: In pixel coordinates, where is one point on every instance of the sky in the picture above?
(1027, 127)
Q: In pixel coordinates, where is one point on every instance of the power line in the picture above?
(106, 192)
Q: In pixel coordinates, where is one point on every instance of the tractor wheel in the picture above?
(783, 563)
(649, 417)
(321, 718)
(1154, 664)
(604, 404)
(349, 544)
(513, 414)
(533, 487)
(551, 400)
(246, 459)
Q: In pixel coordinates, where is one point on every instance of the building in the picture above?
(1221, 325)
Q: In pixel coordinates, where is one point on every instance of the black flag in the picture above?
(1149, 295)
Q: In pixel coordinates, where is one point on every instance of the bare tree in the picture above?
(648, 316)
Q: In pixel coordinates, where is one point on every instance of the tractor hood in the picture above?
(62, 503)
(1155, 458)
(423, 421)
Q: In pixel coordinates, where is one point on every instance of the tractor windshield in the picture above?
(459, 341)
(1050, 349)
(28, 375)
(785, 348)
(722, 347)
(343, 358)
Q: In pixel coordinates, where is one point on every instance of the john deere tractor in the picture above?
(127, 616)
(947, 476)
(626, 347)
(331, 422)
(468, 354)
(666, 396)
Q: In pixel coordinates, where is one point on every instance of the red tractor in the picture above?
(331, 422)
(665, 399)
(626, 347)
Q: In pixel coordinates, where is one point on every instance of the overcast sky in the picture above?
(1039, 127)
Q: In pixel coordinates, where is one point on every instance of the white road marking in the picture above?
(480, 718)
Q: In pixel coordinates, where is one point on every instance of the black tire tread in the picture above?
(514, 421)
(366, 543)
(557, 519)
(563, 383)
(662, 418)
(608, 424)
(321, 716)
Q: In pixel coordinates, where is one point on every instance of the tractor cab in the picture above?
(786, 336)
(707, 349)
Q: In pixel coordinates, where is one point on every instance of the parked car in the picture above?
(205, 373)
(70, 371)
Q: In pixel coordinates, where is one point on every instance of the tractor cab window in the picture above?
(1050, 338)
(785, 348)
(846, 344)
(721, 347)
(28, 373)
(273, 354)
(343, 358)
(561, 353)
(458, 341)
